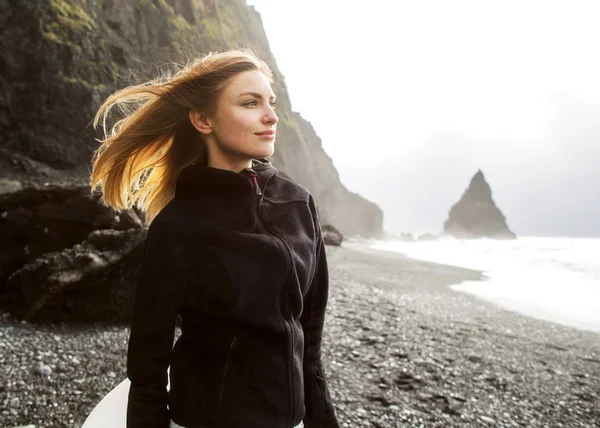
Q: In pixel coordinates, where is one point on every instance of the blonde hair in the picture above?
(141, 156)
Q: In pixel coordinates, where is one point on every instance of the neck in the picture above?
(230, 164)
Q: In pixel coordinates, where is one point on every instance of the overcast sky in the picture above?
(410, 98)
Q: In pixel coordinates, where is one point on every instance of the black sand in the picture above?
(401, 349)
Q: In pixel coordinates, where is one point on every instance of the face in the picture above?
(244, 109)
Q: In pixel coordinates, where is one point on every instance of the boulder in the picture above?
(407, 237)
(36, 220)
(427, 237)
(476, 215)
(91, 281)
(331, 235)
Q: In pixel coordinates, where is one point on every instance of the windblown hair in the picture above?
(142, 154)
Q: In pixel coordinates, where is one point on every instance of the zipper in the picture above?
(222, 388)
(287, 252)
(253, 174)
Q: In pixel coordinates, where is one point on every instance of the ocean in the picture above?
(555, 279)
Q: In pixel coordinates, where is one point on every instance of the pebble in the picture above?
(445, 364)
(45, 370)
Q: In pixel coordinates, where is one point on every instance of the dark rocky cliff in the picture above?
(61, 58)
(476, 215)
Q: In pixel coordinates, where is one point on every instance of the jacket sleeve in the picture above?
(319, 407)
(158, 296)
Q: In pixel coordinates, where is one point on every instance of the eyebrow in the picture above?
(256, 94)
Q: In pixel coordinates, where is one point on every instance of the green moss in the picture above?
(68, 21)
(184, 38)
(72, 14)
(143, 4)
(70, 80)
(54, 37)
(232, 33)
(212, 26)
(163, 4)
(290, 121)
(181, 24)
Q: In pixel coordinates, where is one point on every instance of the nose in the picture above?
(270, 117)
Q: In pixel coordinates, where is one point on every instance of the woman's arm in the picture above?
(319, 408)
(159, 293)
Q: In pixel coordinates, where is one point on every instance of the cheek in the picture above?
(239, 122)
(235, 130)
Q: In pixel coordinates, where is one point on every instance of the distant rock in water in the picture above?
(427, 237)
(476, 215)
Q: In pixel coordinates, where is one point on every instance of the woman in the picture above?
(233, 247)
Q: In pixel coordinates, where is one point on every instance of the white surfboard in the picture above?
(111, 411)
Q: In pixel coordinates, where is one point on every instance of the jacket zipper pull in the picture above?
(258, 192)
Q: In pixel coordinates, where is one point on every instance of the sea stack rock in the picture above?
(476, 215)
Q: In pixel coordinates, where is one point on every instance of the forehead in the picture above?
(253, 80)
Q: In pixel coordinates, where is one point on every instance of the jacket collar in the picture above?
(205, 180)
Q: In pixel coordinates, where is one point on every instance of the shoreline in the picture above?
(401, 348)
(542, 299)
(456, 360)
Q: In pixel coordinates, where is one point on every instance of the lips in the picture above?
(266, 133)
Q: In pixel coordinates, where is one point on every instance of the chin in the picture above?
(264, 153)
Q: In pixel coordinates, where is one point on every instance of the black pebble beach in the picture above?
(401, 349)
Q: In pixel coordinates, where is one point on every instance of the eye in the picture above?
(253, 102)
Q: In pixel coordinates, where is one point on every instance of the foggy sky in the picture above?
(411, 98)
(551, 188)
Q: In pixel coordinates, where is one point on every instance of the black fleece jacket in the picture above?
(240, 256)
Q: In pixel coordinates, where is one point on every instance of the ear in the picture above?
(200, 122)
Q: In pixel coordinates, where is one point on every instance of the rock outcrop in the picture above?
(39, 220)
(61, 58)
(68, 258)
(332, 236)
(89, 282)
(476, 215)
